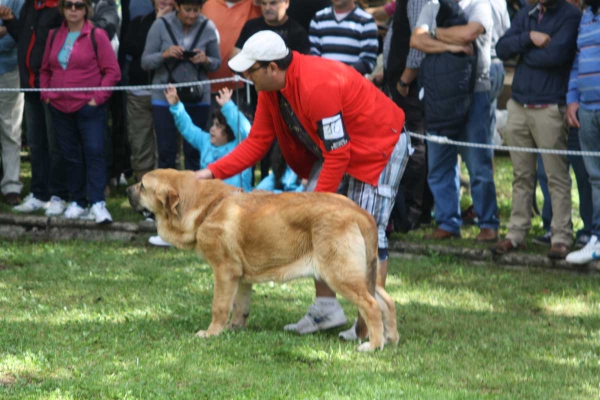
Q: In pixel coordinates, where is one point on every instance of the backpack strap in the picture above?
(54, 33)
(174, 40)
(94, 44)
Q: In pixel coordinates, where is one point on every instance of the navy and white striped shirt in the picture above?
(352, 40)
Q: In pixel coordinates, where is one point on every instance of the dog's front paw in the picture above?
(202, 334)
(368, 346)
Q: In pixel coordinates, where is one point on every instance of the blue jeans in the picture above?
(167, 136)
(589, 137)
(443, 175)
(80, 136)
(48, 169)
(583, 186)
(497, 75)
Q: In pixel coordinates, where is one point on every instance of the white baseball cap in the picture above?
(262, 46)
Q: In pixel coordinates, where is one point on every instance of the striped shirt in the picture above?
(353, 40)
(584, 82)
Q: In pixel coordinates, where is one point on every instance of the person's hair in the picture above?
(190, 2)
(282, 63)
(89, 8)
(218, 115)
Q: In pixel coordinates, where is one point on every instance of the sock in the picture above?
(327, 303)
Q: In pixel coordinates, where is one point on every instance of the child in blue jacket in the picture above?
(282, 178)
(228, 124)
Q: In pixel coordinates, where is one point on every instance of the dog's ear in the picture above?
(169, 199)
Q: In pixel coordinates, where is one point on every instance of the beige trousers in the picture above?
(140, 132)
(541, 128)
(11, 117)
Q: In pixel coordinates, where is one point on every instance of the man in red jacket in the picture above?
(333, 126)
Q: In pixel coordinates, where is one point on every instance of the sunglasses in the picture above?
(78, 6)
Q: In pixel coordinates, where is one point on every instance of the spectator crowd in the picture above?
(442, 62)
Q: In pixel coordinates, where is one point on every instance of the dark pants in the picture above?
(409, 204)
(80, 136)
(48, 170)
(167, 136)
(116, 149)
(583, 186)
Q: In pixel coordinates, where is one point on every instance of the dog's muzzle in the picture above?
(133, 201)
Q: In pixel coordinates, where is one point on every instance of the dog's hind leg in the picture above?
(241, 307)
(225, 290)
(388, 311)
(354, 288)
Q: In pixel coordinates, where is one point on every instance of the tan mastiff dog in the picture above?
(258, 237)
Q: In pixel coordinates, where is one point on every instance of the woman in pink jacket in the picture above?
(79, 55)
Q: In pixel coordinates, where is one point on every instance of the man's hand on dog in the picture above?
(171, 95)
(204, 174)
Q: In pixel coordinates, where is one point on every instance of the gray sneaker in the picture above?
(318, 320)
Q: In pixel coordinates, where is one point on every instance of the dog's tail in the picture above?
(370, 236)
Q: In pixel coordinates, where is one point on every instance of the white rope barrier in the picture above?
(447, 141)
(236, 78)
(431, 138)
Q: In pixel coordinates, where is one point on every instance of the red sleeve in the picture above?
(325, 111)
(253, 148)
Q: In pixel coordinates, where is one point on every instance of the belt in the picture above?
(536, 106)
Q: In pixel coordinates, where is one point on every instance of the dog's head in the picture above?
(159, 192)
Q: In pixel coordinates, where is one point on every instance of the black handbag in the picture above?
(188, 94)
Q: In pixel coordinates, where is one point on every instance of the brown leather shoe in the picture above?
(559, 251)
(12, 199)
(504, 246)
(441, 234)
(487, 235)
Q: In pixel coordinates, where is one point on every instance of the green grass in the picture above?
(115, 321)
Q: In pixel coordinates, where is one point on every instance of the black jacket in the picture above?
(396, 63)
(542, 75)
(30, 31)
(448, 79)
(133, 44)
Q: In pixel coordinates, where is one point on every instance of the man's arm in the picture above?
(561, 48)
(421, 40)
(517, 39)
(249, 151)
(369, 46)
(461, 34)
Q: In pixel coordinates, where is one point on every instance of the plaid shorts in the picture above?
(376, 200)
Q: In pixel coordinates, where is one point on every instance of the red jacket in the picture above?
(317, 89)
(83, 69)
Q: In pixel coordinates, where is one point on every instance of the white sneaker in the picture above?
(123, 180)
(56, 206)
(75, 211)
(590, 252)
(317, 319)
(350, 334)
(158, 241)
(30, 204)
(99, 213)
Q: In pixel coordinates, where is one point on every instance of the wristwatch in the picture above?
(403, 84)
(432, 33)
